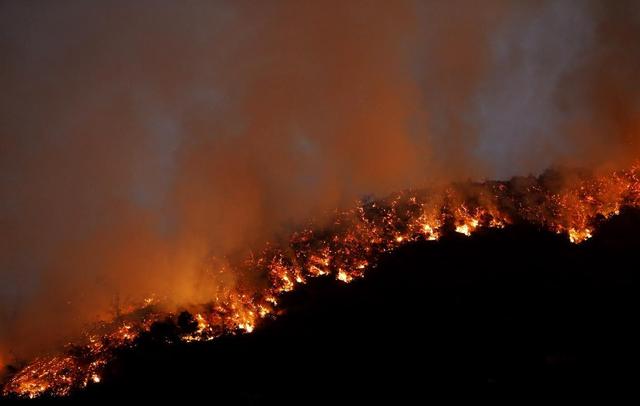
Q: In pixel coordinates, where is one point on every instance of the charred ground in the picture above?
(513, 307)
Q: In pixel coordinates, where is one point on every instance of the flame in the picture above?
(344, 276)
(346, 250)
(464, 229)
(578, 236)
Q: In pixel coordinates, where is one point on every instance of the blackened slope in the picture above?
(512, 307)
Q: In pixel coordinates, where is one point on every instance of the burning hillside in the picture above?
(173, 175)
(572, 205)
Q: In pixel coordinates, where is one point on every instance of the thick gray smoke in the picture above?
(137, 139)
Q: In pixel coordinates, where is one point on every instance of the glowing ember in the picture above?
(346, 250)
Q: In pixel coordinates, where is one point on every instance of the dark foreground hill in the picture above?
(511, 308)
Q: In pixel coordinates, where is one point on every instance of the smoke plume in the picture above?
(138, 140)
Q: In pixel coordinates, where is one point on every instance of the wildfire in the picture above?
(346, 249)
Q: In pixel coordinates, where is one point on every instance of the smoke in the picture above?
(562, 88)
(139, 139)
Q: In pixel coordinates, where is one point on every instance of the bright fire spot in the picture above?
(578, 236)
(272, 300)
(95, 378)
(430, 232)
(248, 327)
(287, 283)
(263, 311)
(343, 276)
(315, 271)
(463, 229)
(468, 228)
(202, 323)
